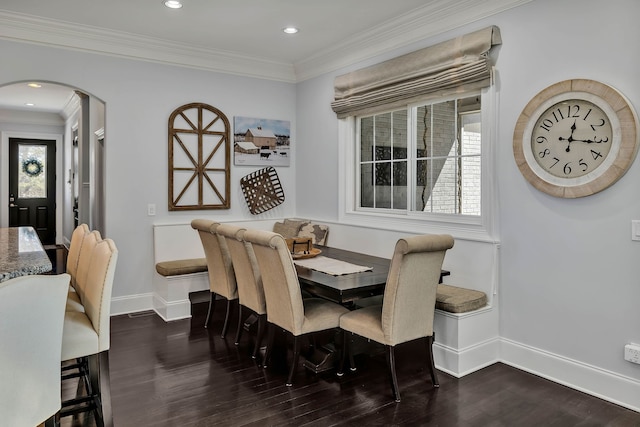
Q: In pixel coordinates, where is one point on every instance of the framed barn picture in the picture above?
(261, 142)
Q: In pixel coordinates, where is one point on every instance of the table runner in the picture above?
(331, 266)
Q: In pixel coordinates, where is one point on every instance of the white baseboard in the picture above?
(465, 361)
(615, 388)
(131, 304)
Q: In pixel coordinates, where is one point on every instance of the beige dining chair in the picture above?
(31, 318)
(85, 338)
(408, 304)
(75, 246)
(286, 308)
(222, 279)
(248, 280)
(79, 276)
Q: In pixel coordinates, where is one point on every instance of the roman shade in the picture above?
(453, 66)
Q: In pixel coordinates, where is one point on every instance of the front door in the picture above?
(32, 186)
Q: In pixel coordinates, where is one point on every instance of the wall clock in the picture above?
(575, 138)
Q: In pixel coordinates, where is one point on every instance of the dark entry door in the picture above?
(32, 186)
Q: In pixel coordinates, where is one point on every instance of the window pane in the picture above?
(471, 133)
(399, 185)
(32, 182)
(445, 185)
(366, 186)
(423, 131)
(383, 136)
(444, 134)
(383, 196)
(366, 139)
(470, 185)
(400, 134)
(423, 192)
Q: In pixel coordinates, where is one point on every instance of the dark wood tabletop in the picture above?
(347, 288)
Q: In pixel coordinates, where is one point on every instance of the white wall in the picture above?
(139, 98)
(569, 273)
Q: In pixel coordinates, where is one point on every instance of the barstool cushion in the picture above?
(80, 338)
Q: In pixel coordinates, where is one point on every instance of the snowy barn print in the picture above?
(261, 142)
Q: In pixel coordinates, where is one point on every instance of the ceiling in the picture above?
(243, 37)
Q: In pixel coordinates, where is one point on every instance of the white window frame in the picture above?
(472, 227)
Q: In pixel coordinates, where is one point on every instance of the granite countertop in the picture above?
(21, 253)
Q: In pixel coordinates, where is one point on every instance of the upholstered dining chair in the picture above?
(31, 318)
(85, 337)
(286, 308)
(79, 272)
(408, 304)
(75, 246)
(222, 279)
(248, 279)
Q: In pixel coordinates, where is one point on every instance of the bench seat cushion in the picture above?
(459, 300)
(181, 266)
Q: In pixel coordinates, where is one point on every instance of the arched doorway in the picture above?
(75, 120)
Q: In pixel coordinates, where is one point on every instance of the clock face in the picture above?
(575, 138)
(571, 138)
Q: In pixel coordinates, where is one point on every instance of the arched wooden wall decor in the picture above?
(199, 158)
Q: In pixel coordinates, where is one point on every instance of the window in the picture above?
(427, 167)
(425, 158)
(417, 133)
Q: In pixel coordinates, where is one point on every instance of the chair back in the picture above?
(222, 279)
(279, 279)
(86, 251)
(97, 295)
(31, 319)
(77, 237)
(245, 266)
(409, 302)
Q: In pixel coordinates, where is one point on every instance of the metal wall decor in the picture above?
(262, 190)
(199, 158)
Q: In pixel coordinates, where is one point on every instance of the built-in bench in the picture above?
(180, 268)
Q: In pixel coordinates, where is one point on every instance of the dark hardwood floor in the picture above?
(181, 374)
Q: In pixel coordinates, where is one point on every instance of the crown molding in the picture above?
(436, 17)
(30, 29)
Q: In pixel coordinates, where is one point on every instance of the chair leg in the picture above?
(98, 397)
(262, 319)
(212, 301)
(101, 387)
(226, 319)
(239, 331)
(432, 365)
(391, 361)
(294, 362)
(269, 349)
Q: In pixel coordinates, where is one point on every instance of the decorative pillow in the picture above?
(288, 231)
(317, 232)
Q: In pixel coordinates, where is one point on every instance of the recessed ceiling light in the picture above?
(173, 4)
(34, 85)
(30, 104)
(290, 30)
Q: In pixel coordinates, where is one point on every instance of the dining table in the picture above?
(366, 278)
(21, 253)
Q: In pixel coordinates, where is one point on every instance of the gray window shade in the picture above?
(453, 66)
